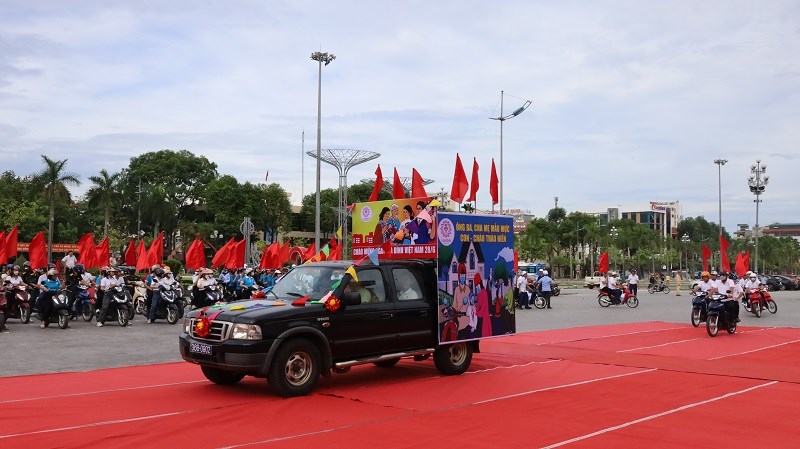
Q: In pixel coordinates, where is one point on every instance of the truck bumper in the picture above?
(242, 356)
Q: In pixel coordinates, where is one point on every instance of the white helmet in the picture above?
(544, 272)
(523, 272)
(748, 273)
(753, 276)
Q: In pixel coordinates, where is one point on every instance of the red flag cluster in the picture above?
(8, 245)
(706, 253)
(398, 191)
(461, 185)
(742, 264)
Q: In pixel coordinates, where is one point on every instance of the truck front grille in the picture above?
(219, 331)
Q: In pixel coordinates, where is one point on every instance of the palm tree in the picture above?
(104, 194)
(53, 181)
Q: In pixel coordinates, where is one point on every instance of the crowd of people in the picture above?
(712, 283)
(527, 286)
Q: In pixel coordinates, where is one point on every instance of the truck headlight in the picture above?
(246, 332)
(187, 325)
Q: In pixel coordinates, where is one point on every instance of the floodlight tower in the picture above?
(343, 160)
(757, 183)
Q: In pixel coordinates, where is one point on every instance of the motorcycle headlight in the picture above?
(246, 332)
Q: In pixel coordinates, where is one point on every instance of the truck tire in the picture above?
(295, 369)
(221, 377)
(453, 359)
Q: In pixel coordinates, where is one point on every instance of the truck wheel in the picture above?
(387, 363)
(221, 377)
(453, 359)
(295, 368)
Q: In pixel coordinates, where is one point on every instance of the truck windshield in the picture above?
(307, 280)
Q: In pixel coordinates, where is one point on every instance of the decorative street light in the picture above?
(757, 184)
(720, 163)
(614, 233)
(326, 58)
(685, 240)
(502, 118)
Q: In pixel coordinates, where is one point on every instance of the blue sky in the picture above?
(632, 101)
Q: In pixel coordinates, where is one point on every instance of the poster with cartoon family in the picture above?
(475, 278)
(401, 228)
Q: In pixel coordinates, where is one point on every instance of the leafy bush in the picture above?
(175, 265)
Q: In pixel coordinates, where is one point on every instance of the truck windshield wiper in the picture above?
(295, 294)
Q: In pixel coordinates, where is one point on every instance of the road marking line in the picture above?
(10, 401)
(755, 350)
(511, 366)
(690, 339)
(102, 423)
(657, 415)
(612, 335)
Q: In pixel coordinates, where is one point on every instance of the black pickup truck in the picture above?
(389, 314)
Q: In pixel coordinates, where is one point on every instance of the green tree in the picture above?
(104, 194)
(53, 180)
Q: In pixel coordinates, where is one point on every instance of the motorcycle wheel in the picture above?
(538, 302)
(556, 291)
(731, 328)
(666, 290)
(772, 307)
(603, 301)
(122, 318)
(139, 305)
(63, 319)
(746, 305)
(756, 309)
(87, 312)
(696, 317)
(651, 289)
(712, 325)
(25, 314)
(172, 315)
(633, 302)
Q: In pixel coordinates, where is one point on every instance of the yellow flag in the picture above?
(434, 203)
(339, 233)
(352, 272)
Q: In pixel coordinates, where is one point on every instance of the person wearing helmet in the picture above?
(71, 279)
(158, 281)
(246, 284)
(44, 304)
(546, 287)
(752, 286)
(615, 293)
(732, 293)
(705, 285)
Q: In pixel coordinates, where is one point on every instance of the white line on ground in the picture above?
(96, 424)
(689, 339)
(612, 335)
(100, 392)
(657, 415)
(755, 350)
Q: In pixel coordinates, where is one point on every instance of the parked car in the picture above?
(773, 283)
(785, 282)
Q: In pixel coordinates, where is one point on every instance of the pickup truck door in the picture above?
(365, 329)
(414, 316)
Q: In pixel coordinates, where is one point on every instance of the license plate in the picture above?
(200, 348)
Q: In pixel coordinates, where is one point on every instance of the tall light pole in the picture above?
(720, 163)
(614, 233)
(685, 240)
(320, 57)
(757, 184)
(502, 118)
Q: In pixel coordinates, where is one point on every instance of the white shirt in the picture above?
(204, 282)
(106, 283)
(754, 283)
(705, 286)
(522, 282)
(727, 288)
(87, 278)
(612, 282)
(633, 279)
(14, 280)
(69, 261)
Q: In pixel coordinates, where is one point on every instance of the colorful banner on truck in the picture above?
(476, 276)
(408, 223)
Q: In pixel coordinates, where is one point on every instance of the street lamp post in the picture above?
(502, 118)
(320, 57)
(685, 241)
(757, 183)
(614, 233)
(720, 163)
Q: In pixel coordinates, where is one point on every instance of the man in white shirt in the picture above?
(752, 283)
(612, 286)
(522, 290)
(705, 285)
(633, 282)
(728, 288)
(69, 262)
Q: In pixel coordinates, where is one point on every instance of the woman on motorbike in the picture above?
(49, 286)
(246, 283)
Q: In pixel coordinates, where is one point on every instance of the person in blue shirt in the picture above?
(246, 284)
(44, 303)
(546, 287)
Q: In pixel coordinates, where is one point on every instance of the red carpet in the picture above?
(633, 385)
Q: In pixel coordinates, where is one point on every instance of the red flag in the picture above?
(310, 251)
(264, 263)
(236, 256)
(398, 192)
(283, 254)
(724, 264)
(706, 255)
(11, 244)
(376, 189)
(221, 256)
(739, 265)
(417, 185)
(335, 252)
(493, 185)
(460, 184)
(3, 257)
(473, 188)
(603, 268)
(102, 253)
(130, 254)
(155, 255)
(86, 251)
(196, 255)
(37, 252)
(516, 261)
(746, 260)
(142, 262)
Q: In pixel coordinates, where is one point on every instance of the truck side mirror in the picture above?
(350, 298)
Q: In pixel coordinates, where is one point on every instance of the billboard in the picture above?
(475, 276)
(408, 224)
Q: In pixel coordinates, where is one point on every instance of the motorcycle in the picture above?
(661, 287)
(120, 308)
(699, 308)
(756, 304)
(140, 298)
(18, 303)
(84, 303)
(60, 313)
(628, 298)
(718, 318)
(208, 296)
(556, 289)
(170, 307)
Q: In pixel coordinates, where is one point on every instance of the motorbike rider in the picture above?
(246, 284)
(705, 285)
(111, 280)
(49, 286)
(72, 280)
(611, 288)
(732, 293)
(10, 281)
(204, 282)
(752, 283)
(157, 281)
